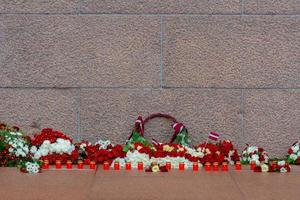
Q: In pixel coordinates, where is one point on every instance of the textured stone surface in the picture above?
(272, 6)
(158, 6)
(272, 119)
(46, 185)
(110, 113)
(232, 51)
(268, 186)
(33, 109)
(271, 48)
(38, 6)
(105, 51)
(202, 51)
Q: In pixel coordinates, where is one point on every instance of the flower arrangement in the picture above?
(294, 154)
(223, 151)
(14, 150)
(102, 151)
(53, 145)
(275, 166)
(254, 154)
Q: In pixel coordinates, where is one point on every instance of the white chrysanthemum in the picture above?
(104, 144)
(295, 148)
(293, 156)
(283, 170)
(60, 146)
(33, 149)
(281, 163)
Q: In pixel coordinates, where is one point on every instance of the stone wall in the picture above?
(89, 67)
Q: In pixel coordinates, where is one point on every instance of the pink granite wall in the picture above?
(89, 67)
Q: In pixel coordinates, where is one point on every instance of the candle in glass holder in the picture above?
(69, 164)
(181, 166)
(238, 165)
(140, 166)
(79, 164)
(168, 165)
(252, 165)
(207, 166)
(45, 164)
(216, 166)
(128, 166)
(92, 165)
(116, 165)
(58, 164)
(224, 166)
(105, 165)
(195, 166)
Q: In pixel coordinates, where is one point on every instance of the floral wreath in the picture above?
(180, 135)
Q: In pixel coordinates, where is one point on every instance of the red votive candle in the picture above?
(216, 166)
(224, 166)
(128, 166)
(79, 164)
(181, 166)
(116, 166)
(195, 166)
(58, 164)
(140, 166)
(105, 166)
(252, 165)
(168, 165)
(92, 165)
(238, 165)
(207, 166)
(46, 164)
(69, 164)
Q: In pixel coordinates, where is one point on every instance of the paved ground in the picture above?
(90, 185)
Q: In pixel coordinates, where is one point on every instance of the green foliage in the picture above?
(182, 138)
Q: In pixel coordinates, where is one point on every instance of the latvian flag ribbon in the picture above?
(213, 136)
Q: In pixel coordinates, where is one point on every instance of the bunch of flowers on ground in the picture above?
(53, 145)
(254, 154)
(222, 151)
(100, 152)
(294, 154)
(274, 166)
(14, 150)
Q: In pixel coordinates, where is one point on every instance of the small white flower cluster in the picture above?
(32, 167)
(103, 143)
(195, 152)
(281, 165)
(231, 162)
(135, 157)
(250, 154)
(19, 146)
(295, 152)
(60, 146)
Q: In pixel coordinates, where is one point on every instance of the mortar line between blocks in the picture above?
(238, 187)
(243, 112)
(78, 119)
(161, 52)
(242, 7)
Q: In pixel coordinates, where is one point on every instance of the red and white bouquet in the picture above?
(254, 154)
(223, 151)
(14, 150)
(100, 152)
(294, 154)
(53, 145)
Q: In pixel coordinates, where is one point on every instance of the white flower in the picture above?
(298, 154)
(293, 156)
(283, 170)
(295, 148)
(33, 149)
(281, 163)
(264, 168)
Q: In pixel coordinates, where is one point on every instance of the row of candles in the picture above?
(140, 166)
